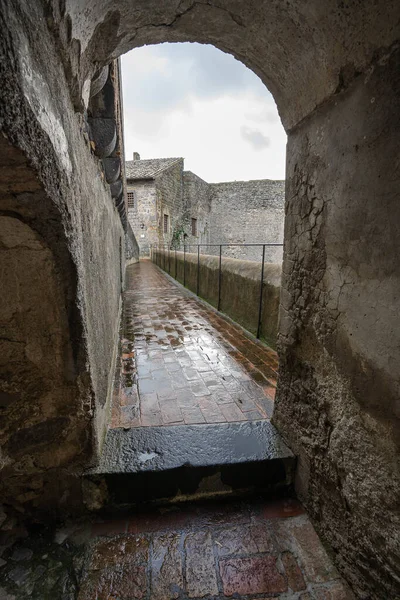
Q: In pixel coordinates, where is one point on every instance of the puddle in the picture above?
(145, 457)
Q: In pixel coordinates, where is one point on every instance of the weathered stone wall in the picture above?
(132, 251)
(240, 287)
(169, 189)
(196, 205)
(248, 212)
(153, 199)
(235, 212)
(338, 392)
(143, 213)
(61, 237)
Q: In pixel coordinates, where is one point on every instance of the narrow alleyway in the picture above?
(192, 366)
(194, 484)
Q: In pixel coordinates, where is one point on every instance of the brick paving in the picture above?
(183, 363)
(211, 551)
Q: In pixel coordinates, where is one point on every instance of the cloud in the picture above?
(168, 76)
(256, 138)
(269, 114)
(195, 101)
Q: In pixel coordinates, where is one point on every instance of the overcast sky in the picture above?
(195, 101)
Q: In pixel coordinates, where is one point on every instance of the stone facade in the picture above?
(197, 205)
(248, 212)
(237, 212)
(156, 186)
(61, 237)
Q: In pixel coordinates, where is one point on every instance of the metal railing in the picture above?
(164, 262)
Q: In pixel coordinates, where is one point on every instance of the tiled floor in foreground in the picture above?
(192, 366)
(246, 551)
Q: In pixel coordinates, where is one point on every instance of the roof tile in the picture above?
(148, 169)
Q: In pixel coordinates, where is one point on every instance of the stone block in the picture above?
(253, 575)
(166, 567)
(201, 578)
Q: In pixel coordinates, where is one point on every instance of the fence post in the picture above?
(169, 261)
(176, 274)
(261, 294)
(184, 265)
(220, 277)
(198, 269)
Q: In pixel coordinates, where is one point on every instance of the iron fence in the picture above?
(163, 253)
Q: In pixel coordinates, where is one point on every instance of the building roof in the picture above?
(148, 169)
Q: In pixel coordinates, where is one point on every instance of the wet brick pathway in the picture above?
(190, 365)
(245, 551)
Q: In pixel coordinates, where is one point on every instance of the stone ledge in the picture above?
(164, 448)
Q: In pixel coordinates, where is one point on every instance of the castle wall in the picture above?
(339, 344)
(197, 205)
(144, 213)
(62, 246)
(235, 212)
(239, 295)
(169, 192)
(248, 212)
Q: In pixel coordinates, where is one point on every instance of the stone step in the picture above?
(160, 464)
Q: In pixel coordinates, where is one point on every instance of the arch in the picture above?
(45, 427)
(290, 46)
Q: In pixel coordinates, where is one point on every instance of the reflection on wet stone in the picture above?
(177, 353)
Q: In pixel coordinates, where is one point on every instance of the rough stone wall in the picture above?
(227, 213)
(153, 199)
(338, 392)
(132, 251)
(143, 213)
(196, 205)
(248, 212)
(239, 296)
(169, 190)
(61, 237)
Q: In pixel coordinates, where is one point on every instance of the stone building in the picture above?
(334, 71)
(167, 205)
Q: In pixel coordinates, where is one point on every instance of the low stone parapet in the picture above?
(239, 296)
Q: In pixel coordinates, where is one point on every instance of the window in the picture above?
(131, 199)
(166, 224)
(194, 226)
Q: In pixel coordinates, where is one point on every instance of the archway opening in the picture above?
(214, 222)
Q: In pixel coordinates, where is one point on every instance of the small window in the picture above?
(166, 224)
(194, 226)
(131, 199)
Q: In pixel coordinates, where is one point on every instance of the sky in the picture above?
(194, 101)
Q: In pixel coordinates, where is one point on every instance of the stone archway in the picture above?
(45, 428)
(334, 72)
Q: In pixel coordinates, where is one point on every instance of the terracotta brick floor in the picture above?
(182, 363)
(211, 551)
